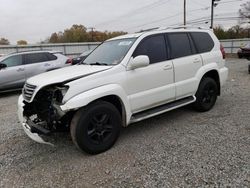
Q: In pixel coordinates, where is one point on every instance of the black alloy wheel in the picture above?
(95, 128)
(206, 95)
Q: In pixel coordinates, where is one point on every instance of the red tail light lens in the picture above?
(223, 51)
(69, 61)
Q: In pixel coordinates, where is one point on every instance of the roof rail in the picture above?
(150, 29)
(183, 27)
(40, 50)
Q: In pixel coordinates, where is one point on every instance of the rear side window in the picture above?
(203, 41)
(35, 58)
(180, 45)
(51, 57)
(154, 47)
(13, 61)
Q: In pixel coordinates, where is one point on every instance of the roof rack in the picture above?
(173, 27)
(40, 50)
(150, 29)
(183, 27)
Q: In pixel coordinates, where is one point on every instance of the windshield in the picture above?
(110, 52)
(247, 46)
(86, 53)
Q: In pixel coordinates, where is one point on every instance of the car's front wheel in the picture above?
(95, 128)
(206, 95)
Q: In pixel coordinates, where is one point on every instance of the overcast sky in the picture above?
(35, 20)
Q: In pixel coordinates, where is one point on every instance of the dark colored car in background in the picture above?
(244, 52)
(82, 57)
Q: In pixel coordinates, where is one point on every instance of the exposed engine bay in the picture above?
(45, 113)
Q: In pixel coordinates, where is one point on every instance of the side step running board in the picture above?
(161, 109)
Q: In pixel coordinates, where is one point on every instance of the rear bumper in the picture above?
(223, 75)
(28, 127)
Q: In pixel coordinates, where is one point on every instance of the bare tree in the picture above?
(244, 12)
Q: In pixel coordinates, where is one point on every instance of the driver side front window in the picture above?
(13, 61)
(154, 47)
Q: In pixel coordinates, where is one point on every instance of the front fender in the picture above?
(89, 96)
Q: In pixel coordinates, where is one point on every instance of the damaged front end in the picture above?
(43, 116)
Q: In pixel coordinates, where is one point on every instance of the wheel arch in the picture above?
(215, 76)
(112, 93)
(117, 102)
(210, 70)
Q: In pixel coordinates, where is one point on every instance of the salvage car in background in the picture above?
(17, 67)
(82, 57)
(244, 52)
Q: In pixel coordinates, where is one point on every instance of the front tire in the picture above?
(95, 128)
(206, 95)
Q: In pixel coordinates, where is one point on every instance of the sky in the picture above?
(36, 20)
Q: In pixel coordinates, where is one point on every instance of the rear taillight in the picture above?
(223, 51)
(69, 61)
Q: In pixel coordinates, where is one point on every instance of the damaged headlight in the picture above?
(60, 93)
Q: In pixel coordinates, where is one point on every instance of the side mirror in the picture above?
(2, 66)
(139, 61)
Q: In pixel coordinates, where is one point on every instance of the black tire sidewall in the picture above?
(199, 105)
(80, 133)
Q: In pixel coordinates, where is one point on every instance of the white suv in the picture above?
(126, 79)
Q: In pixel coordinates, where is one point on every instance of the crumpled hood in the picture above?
(65, 74)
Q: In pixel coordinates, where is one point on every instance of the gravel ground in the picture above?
(181, 148)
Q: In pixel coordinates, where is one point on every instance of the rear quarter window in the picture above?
(203, 41)
(51, 57)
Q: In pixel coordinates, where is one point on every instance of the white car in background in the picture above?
(16, 68)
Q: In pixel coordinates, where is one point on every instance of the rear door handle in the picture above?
(20, 69)
(46, 64)
(167, 67)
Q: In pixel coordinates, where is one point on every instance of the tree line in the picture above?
(234, 32)
(79, 33)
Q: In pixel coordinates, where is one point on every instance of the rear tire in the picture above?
(95, 129)
(206, 95)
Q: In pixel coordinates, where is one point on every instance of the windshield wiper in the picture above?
(98, 63)
(82, 63)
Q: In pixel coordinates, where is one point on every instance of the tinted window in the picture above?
(13, 61)
(180, 45)
(154, 47)
(203, 41)
(35, 58)
(51, 57)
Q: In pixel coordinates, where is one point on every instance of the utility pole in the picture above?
(92, 33)
(185, 12)
(212, 12)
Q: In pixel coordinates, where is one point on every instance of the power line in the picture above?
(136, 11)
(198, 3)
(166, 18)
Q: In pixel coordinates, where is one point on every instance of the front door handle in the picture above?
(46, 64)
(20, 69)
(197, 61)
(167, 67)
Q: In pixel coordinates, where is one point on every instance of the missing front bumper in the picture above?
(28, 128)
(34, 136)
